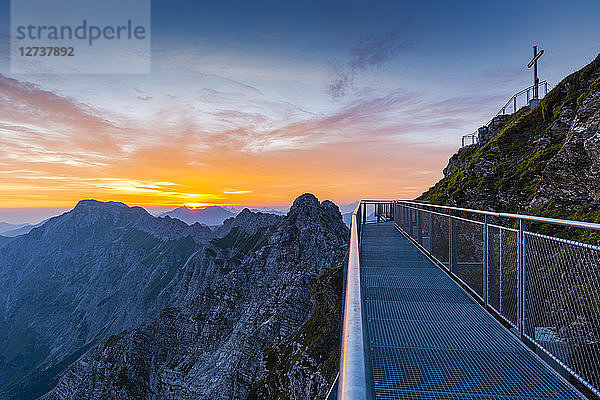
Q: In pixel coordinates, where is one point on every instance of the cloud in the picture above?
(60, 150)
(370, 51)
(36, 109)
(378, 49)
(237, 191)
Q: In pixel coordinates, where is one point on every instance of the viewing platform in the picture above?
(421, 322)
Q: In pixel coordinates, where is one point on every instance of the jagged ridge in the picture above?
(243, 295)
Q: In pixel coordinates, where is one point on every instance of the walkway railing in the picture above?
(355, 381)
(544, 287)
(522, 98)
(515, 103)
(469, 139)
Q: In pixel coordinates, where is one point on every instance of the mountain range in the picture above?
(107, 300)
(12, 230)
(211, 216)
(6, 227)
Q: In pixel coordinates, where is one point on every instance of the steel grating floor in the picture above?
(430, 340)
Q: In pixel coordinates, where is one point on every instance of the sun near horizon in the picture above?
(367, 112)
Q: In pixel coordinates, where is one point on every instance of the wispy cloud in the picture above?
(370, 51)
(237, 191)
(65, 149)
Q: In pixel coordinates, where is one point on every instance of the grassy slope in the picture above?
(518, 159)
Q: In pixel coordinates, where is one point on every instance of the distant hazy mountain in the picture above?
(347, 218)
(348, 208)
(213, 215)
(5, 227)
(19, 229)
(266, 210)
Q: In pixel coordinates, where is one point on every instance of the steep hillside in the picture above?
(261, 305)
(6, 227)
(98, 269)
(543, 161)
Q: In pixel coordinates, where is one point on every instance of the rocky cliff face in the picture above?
(544, 160)
(248, 301)
(249, 221)
(98, 269)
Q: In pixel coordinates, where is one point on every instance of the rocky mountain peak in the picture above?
(98, 203)
(305, 200)
(233, 306)
(109, 209)
(249, 221)
(306, 211)
(543, 160)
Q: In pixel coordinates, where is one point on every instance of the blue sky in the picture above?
(298, 87)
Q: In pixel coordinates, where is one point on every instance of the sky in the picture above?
(256, 102)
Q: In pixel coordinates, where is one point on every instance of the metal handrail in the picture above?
(547, 273)
(502, 111)
(516, 95)
(511, 277)
(353, 378)
(554, 221)
(473, 136)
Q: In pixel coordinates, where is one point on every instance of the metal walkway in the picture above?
(430, 340)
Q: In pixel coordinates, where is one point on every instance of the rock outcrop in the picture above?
(246, 304)
(544, 160)
(250, 221)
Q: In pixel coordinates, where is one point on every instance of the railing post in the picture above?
(431, 233)
(486, 253)
(451, 244)
(401, 215)
(515, 104)
(520, 279)
(500, 261)
(527, 298)
(419, 227)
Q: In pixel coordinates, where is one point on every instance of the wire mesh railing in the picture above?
(563, 294)
(547, 288)
(469, 139)
(515, 103)
(522, 98)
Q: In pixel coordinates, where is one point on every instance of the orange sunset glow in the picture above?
(57, 150)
